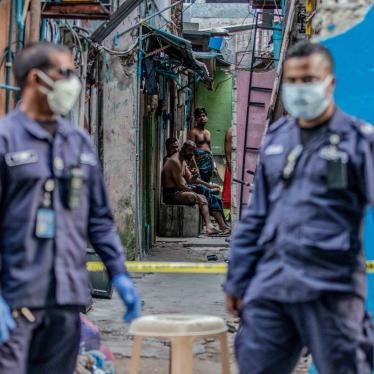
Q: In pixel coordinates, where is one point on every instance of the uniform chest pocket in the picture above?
(273, 166)
(25, 165)
(325, 238)
(317, 169)
(74, 187)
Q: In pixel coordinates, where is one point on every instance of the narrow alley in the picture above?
(169, 293)
(173, 293)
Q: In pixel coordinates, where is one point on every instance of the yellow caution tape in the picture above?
(370, 266)
(179, 267)
(165, 267)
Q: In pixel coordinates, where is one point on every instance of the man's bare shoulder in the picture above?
(173, 161)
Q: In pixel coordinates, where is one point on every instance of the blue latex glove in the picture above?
(129, 296)
(6, 321)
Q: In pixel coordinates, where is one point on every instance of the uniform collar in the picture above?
(339, 122)
(38, 132)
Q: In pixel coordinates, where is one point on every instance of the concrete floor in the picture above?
(170, 293)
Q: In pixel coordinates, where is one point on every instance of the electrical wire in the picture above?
(183, 10)
(250, 39)
(248, 44)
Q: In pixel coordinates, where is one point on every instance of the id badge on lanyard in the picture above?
(45, 225)
(337, 164)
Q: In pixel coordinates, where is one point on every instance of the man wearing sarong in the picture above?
(202, 138)
(180, 187)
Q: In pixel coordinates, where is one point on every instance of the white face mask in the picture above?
(306, 100)
(62, 94)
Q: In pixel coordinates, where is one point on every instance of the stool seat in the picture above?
(174, 325)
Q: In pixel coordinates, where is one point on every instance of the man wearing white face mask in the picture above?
(53, 200)
(296, 271)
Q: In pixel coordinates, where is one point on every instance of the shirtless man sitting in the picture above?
(172, 147)
(177, 190)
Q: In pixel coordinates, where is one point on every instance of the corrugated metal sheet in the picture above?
(180, 48)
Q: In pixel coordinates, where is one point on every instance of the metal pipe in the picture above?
(9, 59)
(247, 117)
(285, 43)
(138, 220)
(35, 18)
(43, 29)
(82, 99)
(20, 24)
(25, 10)
(9, 87)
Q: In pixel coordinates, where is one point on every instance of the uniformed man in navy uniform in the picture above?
(296, 271)
(53, 200)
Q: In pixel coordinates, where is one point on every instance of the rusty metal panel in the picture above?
(266, 4)
(70, 9)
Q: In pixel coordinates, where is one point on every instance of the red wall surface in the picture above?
(256, 122)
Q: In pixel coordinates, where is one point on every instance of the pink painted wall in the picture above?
(257, 120)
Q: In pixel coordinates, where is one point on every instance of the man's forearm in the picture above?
(199, 181)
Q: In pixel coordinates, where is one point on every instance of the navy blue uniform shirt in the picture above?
(295, 241)
(30, 267)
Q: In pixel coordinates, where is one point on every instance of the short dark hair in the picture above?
(306, 48)
(35, 56)
(199, 110)
(189, 143)
(170, 141)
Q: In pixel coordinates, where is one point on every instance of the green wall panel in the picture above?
(218, 103)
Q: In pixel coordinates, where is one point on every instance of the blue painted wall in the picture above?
(354, 68)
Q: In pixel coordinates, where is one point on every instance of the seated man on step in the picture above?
(172, 147)
(177, 190)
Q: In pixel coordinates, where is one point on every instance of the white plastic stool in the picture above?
(181, 330)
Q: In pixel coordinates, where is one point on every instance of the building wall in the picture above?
(123, 160)
(219, 16)
(345, 27)
(4, 19)
(355, 93)
(256, 126)
(336, 16)
(119, 133)
(119, 152)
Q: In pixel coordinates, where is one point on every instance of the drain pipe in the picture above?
(20, 24)
(9, 58)
(35, 18)
(138, 220)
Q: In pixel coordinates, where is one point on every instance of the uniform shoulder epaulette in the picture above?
(278, 124)
(366, 129)
(7, 124)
